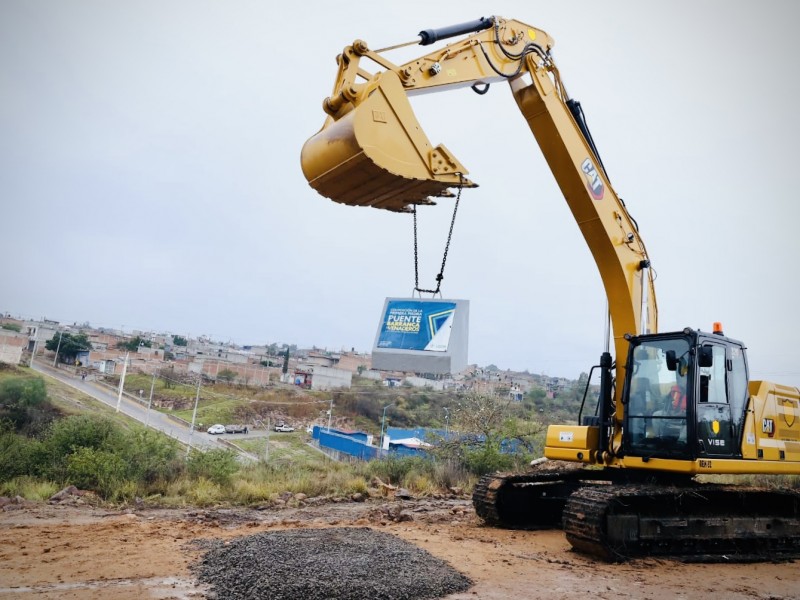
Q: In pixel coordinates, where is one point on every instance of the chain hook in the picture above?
(440, 275)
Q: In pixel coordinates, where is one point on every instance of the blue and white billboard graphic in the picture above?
(414, 325)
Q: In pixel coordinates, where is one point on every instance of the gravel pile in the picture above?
(314, 564)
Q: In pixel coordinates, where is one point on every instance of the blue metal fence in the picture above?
(350, 444)
(354, 443)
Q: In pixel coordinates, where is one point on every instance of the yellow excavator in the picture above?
(671, 406)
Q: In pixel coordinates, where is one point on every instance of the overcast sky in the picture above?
(150, 175)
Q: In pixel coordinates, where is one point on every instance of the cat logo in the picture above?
(768, 427)
(715, 427)
(596, 187)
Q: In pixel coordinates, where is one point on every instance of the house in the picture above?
(421, 382)
(353, 362)
(246, 373)
(319, 359)
(11, 346)
(322, 378)
(40, 332)
(103, 341)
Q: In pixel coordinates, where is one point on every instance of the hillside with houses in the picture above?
(256, 365)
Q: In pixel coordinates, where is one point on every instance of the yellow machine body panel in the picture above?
(576, 443)
(772, 425)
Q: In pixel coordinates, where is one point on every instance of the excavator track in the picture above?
(700, 523)
(526, 501)
(611, 519)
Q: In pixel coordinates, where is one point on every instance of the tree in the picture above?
(179, 340)
(489, 437)
(132, 345)
(68, 345)
(168, 375)
(480, 414)
(227, 375)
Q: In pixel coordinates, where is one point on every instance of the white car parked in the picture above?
(283, 428)
(215, 429)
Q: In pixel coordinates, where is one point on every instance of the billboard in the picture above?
(415, 325)
(422, 335)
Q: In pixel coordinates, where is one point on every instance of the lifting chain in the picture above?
(440, 276)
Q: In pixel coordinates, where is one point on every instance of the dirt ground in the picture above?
(72, 551)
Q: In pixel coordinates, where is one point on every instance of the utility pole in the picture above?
(122, 381)
(150, 401)
(266, 449)
(35, 339)
(446, 423)
(383, 421)
(58, 347)
(194, 413)
(330, 413)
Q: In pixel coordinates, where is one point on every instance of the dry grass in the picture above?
(29, 488)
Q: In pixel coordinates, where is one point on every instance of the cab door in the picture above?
(714, 428)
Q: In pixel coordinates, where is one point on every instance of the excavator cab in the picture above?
(685, 396)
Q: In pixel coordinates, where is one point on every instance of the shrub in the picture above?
(215, 465)
(23, 403)
(18, 455)
(450, 473)
(71, 434)
(487, 459)
(205, 492)
(29, 488)
(395, 469)
(150, 456)
(97, 470)
(250, 492)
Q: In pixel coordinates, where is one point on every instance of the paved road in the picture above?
(134, 409)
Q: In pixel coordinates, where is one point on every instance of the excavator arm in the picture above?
(371, 151)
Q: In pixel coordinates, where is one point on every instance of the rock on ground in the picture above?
(345, 563)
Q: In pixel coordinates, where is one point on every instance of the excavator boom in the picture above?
(372, 151)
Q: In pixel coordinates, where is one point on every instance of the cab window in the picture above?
(713, 384)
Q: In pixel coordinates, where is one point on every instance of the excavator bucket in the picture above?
(373, 152)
